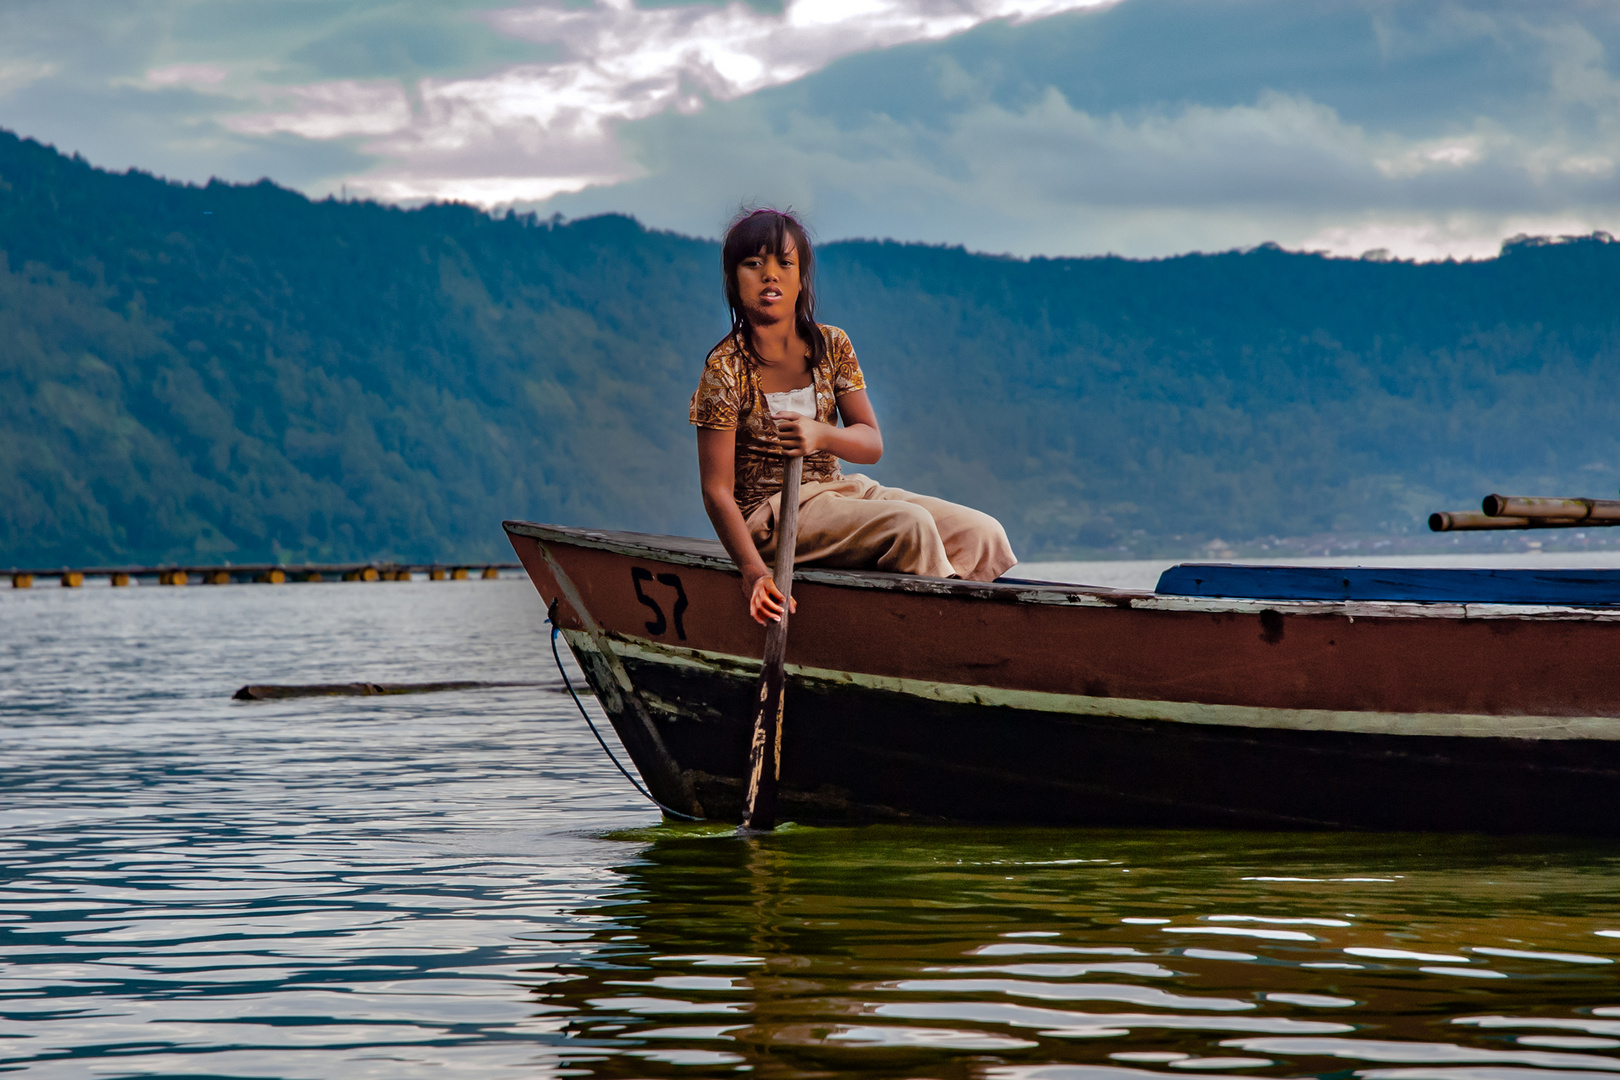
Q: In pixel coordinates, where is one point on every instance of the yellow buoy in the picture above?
(217, 577)
(459, 574)
(173, 577)
(273, 576)
(402, 575)
(72, 579)
(490, 572)
(22, 581)
(436, 574)
(118, 581)
(313, 575)
(369, 573)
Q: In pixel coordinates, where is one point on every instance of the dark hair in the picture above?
(771, 230)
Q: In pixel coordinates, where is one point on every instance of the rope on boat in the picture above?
(550, 618)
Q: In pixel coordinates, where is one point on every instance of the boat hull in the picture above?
(929, 700)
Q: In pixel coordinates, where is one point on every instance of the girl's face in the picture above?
(769, 284)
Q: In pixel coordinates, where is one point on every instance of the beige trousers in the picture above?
(858, 524)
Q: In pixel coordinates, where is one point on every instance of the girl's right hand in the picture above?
(765, 601)
(800, 436)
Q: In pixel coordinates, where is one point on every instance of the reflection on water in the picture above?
(401, 887)
(897, 952)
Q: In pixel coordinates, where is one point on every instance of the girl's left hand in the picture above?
(798, 435)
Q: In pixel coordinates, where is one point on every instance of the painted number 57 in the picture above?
(657, 624)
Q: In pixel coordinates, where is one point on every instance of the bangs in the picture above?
(763, 229)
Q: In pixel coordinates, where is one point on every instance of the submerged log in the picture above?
(271, 691)
(265, 573)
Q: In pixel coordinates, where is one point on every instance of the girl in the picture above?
(770, 389)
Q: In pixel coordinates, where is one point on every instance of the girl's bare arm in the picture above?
(717, 454)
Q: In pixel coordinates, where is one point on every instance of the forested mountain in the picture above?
(236, 372)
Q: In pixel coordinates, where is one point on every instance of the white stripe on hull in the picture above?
(1467, 725)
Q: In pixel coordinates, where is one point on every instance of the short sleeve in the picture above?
(717, 402)
(846, 370)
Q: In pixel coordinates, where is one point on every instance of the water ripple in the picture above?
(459, 883)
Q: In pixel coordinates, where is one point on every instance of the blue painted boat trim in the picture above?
(1572, 588)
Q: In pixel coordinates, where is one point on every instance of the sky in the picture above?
(1421, 128)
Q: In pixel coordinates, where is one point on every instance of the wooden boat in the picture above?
(1409, 700)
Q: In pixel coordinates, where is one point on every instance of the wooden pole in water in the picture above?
(765, 752)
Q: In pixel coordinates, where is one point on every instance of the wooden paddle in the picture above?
(759, 812)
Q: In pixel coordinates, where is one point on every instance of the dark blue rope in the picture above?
(592, 724)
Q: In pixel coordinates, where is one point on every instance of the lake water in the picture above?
(460, 884)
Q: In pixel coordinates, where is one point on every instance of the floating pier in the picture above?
(260, 573)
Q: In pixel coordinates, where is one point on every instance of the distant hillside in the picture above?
(240, 373)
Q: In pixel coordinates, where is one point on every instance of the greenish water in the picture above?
(901, 952)
(460, 884)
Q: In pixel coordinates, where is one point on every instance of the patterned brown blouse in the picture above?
(729, 398)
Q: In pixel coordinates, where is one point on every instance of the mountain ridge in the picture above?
(235, 371)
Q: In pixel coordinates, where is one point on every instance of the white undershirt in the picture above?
(801, 402)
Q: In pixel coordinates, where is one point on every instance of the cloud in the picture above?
(187, 75)
(1032, 126)
(990, 140)
(333, 110)
(551, 126)
(16, 74)
(172, 86)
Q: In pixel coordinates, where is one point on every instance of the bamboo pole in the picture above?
(1468, 521)
(1589, 511)
(1529, 512)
